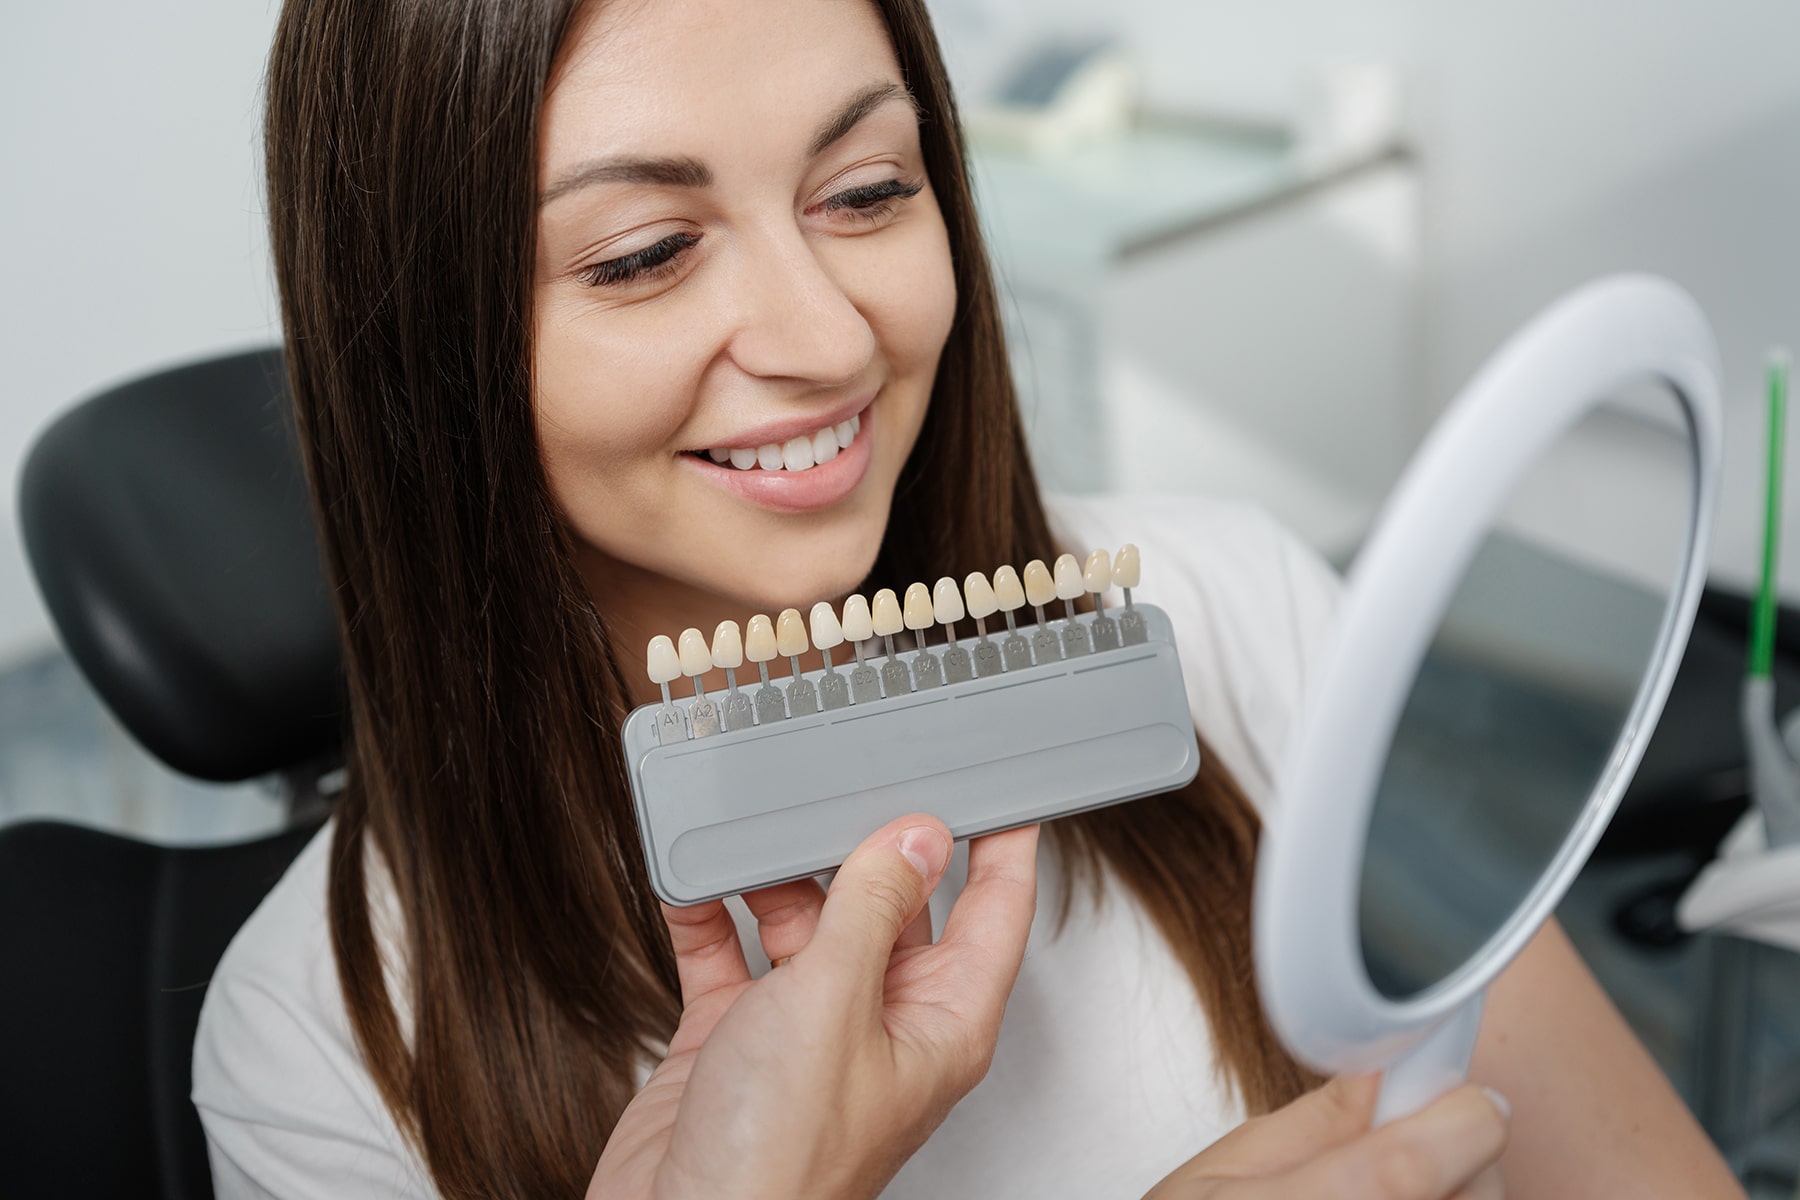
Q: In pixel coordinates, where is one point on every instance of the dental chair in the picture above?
(168, 527)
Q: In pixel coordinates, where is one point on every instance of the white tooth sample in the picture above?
(844, 434)
(1008, 593)
(947, 602)
(769, 457)
(743, 457)
(1069, 581)
(796, 454)
(827, 634)
(886, 613)
(824, 445)
(1040, 589)
(1098, 573)
(858, 625)
(1125, 566)
(696, 659)
(980, 595)
(718, 455)
(759, 639)
(728, 646)
(665, 664)
(790, 633)
(919, 613)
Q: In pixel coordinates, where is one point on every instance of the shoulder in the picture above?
(1251, 605)
(288, 1106)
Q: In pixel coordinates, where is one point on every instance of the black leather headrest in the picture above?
(168, 525)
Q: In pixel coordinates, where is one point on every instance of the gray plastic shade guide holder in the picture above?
(792, 798)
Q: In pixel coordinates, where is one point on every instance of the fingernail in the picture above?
(1499, 1102)
(926, 848)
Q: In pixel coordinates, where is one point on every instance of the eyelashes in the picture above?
(868, 203)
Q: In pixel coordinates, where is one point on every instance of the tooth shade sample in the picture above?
(1098, 575)
(1069, 583)
(728, 646)
(858, 626)
(919, 613)
(790, 633)
(827, 634)
(1007, 591)
(946, 601)
(1125, 566)
(1040, 589)
(886, 613)
(665, 664)
(759, 639)
(696, 659)
(980, 595)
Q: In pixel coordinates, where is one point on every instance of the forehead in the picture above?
(708, 77)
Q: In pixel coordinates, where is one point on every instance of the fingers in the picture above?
(878, 892)
(708, 955)
(992, 917)
(918, 934)
(786, 916)
(1326, 1117)
(1437, 1152)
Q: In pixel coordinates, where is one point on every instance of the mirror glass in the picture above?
(1528, 696)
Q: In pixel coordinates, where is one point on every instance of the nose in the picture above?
(795, 319)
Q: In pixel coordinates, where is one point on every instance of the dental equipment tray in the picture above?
(737, 811)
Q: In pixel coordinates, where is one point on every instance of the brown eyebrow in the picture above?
(692, 173)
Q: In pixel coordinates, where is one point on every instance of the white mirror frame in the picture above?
(1310, 967)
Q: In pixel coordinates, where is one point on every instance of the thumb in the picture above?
(878, 891)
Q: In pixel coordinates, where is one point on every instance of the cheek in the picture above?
(911, 299)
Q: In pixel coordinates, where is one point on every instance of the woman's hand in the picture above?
(1321, 1145)
(824, 1076)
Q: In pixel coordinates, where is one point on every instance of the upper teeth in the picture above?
(796, 454)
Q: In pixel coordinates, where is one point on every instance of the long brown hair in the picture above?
(484, 693)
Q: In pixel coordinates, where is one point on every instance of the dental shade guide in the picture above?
(1097, 575)
(981, 602)
(928, 669)
(728, 653)
(947, 607)
(859, 627)
(723, 810)
(828, 635)
(1040, 589)
(1009, 593)
(790, 639)
(1125, 576)
(896, 680)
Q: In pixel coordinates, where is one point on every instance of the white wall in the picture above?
(131, 218)
(1559, 141)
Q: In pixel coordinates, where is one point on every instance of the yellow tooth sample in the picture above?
(1008, 593)
(1040, 589)
(1125, 566)
(728, 646)
(790, 633)
(665, 664)
(827, 634)
(759, 639)
(980, 595)
(1098, 572)
(919, 613)
(858, 625)
(886, 613)
(947, 602)
(696, 659)
(1069, 581)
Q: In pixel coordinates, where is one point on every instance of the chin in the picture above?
(802, 568)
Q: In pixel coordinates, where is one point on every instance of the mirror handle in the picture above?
(1435, 1065)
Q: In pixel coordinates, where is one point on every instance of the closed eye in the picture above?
(648, 263)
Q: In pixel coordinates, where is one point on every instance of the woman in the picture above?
(540, 263)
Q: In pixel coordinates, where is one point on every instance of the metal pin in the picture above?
(1040, 590)
(696, 661)
(947, 607)
(1097, 577)
(1009, 593)
(728, 652)
(665, 668)
(1132, 630)
(759, 648)
(982, 605)
(865, 684)
(928, 668)
(790, 636)
(1069, 585)
(827, 634)
(896, 680)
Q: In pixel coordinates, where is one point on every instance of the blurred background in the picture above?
(1247, 249)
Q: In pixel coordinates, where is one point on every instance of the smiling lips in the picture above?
(796, 454)
(803, 474)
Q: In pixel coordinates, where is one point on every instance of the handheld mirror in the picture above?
(1508, 634)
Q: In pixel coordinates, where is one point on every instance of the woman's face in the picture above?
(739, 257)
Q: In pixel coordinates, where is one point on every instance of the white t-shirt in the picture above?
(1103, 1080)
